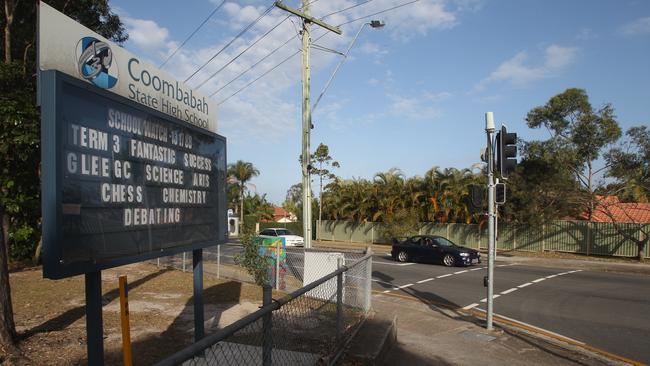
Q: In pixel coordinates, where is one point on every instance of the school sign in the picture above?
(132, 166)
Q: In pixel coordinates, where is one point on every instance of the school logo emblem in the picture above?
(95, 62)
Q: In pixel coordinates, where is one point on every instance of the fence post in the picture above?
(447, 224)
(267, 325)
(543, 238)
(339, 300)
(514, 237)
(372, 234)
(219, 261)
(184, 255)
(588, 238)
(368, 280)
(277, 264)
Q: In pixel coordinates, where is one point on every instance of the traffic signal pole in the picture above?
(489, 130)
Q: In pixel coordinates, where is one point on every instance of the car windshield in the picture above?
(284, 232)
(445, 242)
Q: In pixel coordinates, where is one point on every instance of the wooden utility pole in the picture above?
(306, 109)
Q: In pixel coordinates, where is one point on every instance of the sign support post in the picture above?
(197, 265)
(94, 325)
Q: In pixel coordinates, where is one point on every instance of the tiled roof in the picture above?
(610, 209)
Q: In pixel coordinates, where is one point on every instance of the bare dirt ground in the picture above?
(50, 315)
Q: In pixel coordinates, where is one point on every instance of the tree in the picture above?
(630, 165)
(321, 157)
(293, 200)
(20, 129)
(542, 188)
(242, 171)
(578, 133)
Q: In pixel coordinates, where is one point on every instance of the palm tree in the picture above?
(242, 171)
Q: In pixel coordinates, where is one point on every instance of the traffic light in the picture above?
(500, 193)
(506, 152)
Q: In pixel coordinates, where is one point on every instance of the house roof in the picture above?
(610, 209)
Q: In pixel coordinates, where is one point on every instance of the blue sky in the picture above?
(411, 95)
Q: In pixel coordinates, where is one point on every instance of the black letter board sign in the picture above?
(123, 183)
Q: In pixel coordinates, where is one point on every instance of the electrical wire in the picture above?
(252, 66)
(192, 34)
(266, 72)
(265, 13)
(294, 54)
(379, 12)
(242, 52)
(253, 44)
(346, 9)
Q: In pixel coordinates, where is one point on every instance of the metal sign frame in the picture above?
(52, 138)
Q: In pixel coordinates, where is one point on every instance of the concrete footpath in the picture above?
(429, 335)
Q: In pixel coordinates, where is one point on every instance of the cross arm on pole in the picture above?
(308, 18)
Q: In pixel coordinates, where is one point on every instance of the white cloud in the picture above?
(259, 111)
(147, 35)
(419, 107)
(373, 82)
(586, 34)
(637, 26)
(518, 73)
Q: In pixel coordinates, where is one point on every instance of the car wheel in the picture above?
(448, 260)
(402, 256)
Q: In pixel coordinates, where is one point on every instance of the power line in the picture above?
(267, 71)
(249, 47)
(252, 66)
(193, 33)
(241, 53)
(379, 12)
(294, 54)
(346, 9)
(265, 13)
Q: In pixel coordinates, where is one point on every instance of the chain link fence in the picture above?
(305, 327)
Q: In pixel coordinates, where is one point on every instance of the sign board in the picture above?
(73, 49)
(122, 182)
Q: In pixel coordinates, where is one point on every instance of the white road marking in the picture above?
(493, 297)
(385, 292)
(477, 269)
(470, 306)
(393, 264)
(447, 275)
(503, 265)
(459, 272)
(384, 282)
(426, 280)
(404, 286)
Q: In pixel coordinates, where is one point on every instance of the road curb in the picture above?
(373, 343)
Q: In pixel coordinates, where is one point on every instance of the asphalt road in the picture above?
(609, 311)
(605, 310)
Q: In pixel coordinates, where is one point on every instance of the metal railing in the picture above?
(305, 327)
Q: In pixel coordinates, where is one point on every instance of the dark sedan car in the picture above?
(430, 248)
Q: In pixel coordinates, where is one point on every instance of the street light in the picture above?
(373, 24)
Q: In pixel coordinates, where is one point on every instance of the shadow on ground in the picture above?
(152, 348)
